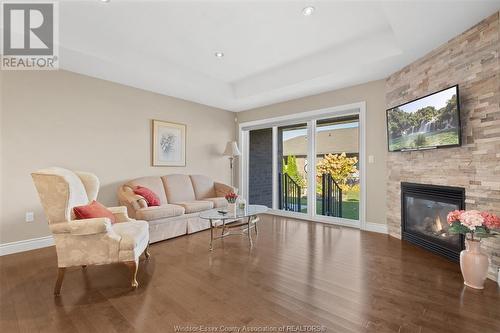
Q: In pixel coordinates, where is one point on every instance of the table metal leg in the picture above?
(255, 226)
(223, 228)
(249, 231)
(211, 235)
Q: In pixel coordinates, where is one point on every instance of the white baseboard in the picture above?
(376, 227)
(26, 245)
(320, 219)
(369, 226)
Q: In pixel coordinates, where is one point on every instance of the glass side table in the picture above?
(244, 219)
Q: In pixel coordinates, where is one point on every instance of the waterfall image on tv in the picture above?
(432, 121)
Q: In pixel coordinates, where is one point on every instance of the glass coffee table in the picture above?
(244, 219)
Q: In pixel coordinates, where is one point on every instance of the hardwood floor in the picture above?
(298, 273)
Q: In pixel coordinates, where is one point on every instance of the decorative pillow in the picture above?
(93, 210)
(150, 196)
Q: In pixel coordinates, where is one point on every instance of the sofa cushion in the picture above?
(203, 187)
(178, 188)
(159, 212)
(219, 202)
(150, 196)
(195, 206)
(221, 190)
(132, 233)
(155, 184)
(93, 210)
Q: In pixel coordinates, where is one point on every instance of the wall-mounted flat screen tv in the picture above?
(432, 121)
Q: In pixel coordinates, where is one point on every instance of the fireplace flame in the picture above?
(437, 224)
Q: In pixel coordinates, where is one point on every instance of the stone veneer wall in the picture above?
(470, 60)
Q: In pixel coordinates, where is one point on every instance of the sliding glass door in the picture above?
(309, 168)
(337, 167)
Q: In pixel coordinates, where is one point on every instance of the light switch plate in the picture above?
(371, 159)
(30, 217)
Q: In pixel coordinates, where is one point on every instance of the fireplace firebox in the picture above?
(423, 217)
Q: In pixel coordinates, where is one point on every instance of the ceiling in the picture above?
(272, 52)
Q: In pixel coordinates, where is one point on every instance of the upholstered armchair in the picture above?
(93, 241)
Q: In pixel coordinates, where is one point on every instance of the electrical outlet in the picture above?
(30, 217)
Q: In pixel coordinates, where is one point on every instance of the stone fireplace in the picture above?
(423, 217)
(472, 61)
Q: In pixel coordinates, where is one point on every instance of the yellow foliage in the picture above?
(339, 166)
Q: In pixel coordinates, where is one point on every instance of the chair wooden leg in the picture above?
(60, 277)
(133, 266)
(146, 252)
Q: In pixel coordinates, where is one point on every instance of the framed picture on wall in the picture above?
(169, 144)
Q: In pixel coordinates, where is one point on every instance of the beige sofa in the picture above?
(182, 199)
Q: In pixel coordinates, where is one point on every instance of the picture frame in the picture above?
(168, 143)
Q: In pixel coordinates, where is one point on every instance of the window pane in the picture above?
(292, 168)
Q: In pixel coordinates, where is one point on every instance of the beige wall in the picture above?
(69, 120)
(373, 93)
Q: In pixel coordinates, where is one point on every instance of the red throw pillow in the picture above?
(93, 210)
(150, 196)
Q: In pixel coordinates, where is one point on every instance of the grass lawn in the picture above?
(445, 137)
(350, 205)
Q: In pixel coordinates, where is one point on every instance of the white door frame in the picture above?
(310, 117)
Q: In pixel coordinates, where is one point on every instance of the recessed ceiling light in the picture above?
(105, 0)
(308, 11)
(219, 54)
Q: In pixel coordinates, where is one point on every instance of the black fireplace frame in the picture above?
(449, 194)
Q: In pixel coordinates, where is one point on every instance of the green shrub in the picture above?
(292, 170)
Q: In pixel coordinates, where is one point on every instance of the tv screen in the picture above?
(429, 122)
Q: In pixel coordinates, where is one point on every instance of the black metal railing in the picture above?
(332, 196)
(289, 193)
